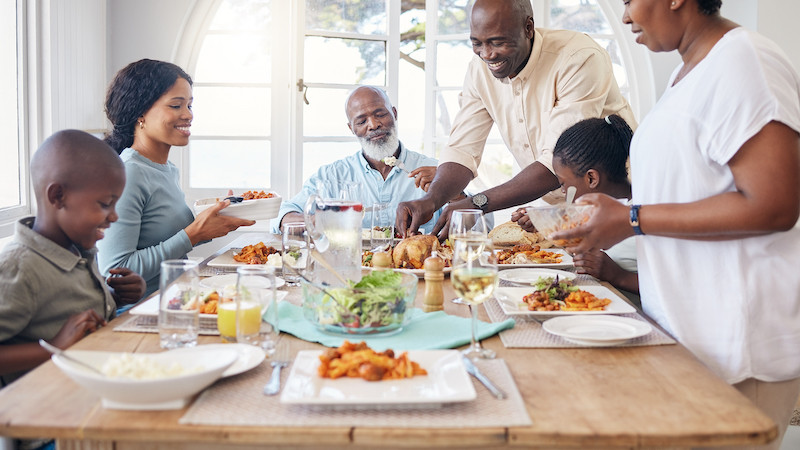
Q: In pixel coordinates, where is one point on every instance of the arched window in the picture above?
(271, 77)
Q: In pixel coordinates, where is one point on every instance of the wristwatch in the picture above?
(634, 219)
(480, 201)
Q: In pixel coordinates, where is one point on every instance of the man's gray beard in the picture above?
(380, 150)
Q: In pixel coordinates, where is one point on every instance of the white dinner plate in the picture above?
(597, 331)
(566, 261)
(446, 382)
(529, 276)
(510, 299)
(149, 307)
(228, 280)
(226, 260)
(249, 356)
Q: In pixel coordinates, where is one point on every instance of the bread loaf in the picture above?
(510, 233)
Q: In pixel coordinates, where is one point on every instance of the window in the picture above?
(271, 78)
(13, 179)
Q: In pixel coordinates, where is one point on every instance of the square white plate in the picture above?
(510, 299)
(566, 261)
(530, 276)
(149, 307)
(226, 260)
(447, 382)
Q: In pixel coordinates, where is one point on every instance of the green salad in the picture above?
(378, 300)
(556, 289)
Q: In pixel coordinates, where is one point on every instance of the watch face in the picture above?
(479, 200)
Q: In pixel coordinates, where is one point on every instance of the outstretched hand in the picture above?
(607, 226)
(521, 217)
(442, 227)
(423, 176)
(127, 286)
(210, 224)
(76, 327)
(411, 215)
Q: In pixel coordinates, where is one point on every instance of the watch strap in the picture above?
(634, 219)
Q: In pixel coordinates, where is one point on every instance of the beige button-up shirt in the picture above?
(568, 78)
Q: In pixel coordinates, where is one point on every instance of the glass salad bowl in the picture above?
(380, 303)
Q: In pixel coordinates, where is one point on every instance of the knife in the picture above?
(472, 370)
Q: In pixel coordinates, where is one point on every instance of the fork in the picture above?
(281, 360)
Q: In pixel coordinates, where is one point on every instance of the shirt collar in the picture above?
(365, 164)
(47, 249)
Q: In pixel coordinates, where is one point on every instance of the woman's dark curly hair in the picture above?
(597, 144)
(134, 90)
(709, 7)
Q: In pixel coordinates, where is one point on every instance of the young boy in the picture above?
(50, 287)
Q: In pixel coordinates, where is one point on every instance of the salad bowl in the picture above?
(379, 303)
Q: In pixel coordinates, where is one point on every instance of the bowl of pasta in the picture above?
(552, 218)
(252, 205)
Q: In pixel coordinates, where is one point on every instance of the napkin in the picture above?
(425, 331)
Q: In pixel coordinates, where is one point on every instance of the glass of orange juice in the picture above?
(255, 312)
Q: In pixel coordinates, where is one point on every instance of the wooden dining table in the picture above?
(657, 396)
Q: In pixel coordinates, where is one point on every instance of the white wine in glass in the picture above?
(466, 224)
(474, 279)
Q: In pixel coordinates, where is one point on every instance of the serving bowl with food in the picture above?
(379, 303)
(552, 218)
(251, 205)
(147, 381)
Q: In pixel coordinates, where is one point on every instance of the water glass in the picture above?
(381, 226)
(295, 251)
(178, 313)
(256, 307)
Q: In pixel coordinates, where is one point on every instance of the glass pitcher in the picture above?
(333, 217)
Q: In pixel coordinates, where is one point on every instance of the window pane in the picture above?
(345, 61)
(325, 115)
(230, 164)
(316, 154)
(453, 16)
(579, 15)
(612, 47)
(242, 15)
(452, 59)
(446, 109)
(354, 16)
(9, 120)
(232, 58)
(411, 106)
(231, 111)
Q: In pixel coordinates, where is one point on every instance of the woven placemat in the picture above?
(237, 401)
(149, 324)
(528, 332)
(795, 418)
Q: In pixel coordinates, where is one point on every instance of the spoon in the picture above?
(571, 194)
(57, 351)
(320, 259)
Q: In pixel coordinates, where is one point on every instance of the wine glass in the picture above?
(474, 278)
(466, 224)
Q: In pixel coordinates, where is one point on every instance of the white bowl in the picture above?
(256, 209)
(172, 392)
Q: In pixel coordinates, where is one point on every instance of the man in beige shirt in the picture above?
(531, 83)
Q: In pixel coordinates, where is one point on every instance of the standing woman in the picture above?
(149, 104)
(716, 197)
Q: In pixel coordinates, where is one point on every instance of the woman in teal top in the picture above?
(149, 104)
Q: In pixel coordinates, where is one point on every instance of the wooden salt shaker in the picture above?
(434, 277)
(381, 260)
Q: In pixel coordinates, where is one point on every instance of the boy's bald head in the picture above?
(72, 159)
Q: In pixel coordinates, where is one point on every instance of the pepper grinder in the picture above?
(434, 276)
(381, 260)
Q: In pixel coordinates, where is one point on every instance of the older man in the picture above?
(372, 118)
(532, 83)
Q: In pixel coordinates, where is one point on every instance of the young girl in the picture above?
(591, 156)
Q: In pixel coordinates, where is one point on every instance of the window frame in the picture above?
(25, 29)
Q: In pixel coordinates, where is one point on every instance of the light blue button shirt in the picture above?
(396, 188)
